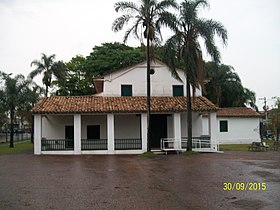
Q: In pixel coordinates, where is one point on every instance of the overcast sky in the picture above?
(70, 27)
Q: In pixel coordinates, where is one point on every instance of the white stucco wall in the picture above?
(240, 130)
(127, 126)
(170, 129)
(53, 126)
(161, 81)
(196, 124)
(94, 120)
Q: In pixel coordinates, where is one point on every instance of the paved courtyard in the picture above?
(135, 182)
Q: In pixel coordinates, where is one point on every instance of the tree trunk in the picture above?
(148, 95)
(12, 128)
(47, 90)
(189, 115)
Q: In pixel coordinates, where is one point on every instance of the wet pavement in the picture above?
(135, 182)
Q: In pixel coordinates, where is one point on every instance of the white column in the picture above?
(144, 130)
(110, 133)
(37, 134)
(177, 130)
(77, 134)
(213, 129)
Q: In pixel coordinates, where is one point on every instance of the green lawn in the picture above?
(240, 147)
(26, 146)
(234, 147)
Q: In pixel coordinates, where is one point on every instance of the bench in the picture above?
(257, 146)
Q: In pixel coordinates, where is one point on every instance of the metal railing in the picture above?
(57, 144)
(5, 137)
(94, 144)
(198, 144)
(128, 144)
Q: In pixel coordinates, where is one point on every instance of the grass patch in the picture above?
(18, 148)
(241, 147)
(234, 147)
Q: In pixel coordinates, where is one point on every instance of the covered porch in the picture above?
(113, 133)
(90, 134)
(113, 125)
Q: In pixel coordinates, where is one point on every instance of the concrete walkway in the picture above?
(135, 182)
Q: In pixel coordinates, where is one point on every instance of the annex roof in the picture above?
(237, 112)
(99, 104)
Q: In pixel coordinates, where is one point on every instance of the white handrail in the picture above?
(198, 144)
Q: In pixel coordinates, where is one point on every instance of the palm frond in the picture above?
(119, 23)
(165, 4)
(170, 56)
(123, 6)
(35, 72)
(218, 29)
(167, 19)
(133, 30)
(199, 3)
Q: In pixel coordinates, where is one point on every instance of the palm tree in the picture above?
(219, 76)
(150, 15)
(183, 48)
(48, 67)
(225, 87)
(12, 96)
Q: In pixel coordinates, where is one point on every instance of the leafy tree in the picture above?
(148, 17)
(78, 80)
(103, 59)
(112, 56)
(224, 87)
(274, 116)
(32, 93)
(13, 95)
(48, 67)
(183, 48)
(218, 77)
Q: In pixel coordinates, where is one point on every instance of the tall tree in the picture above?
(224, 87)
(183, 49)
(150, 15)
(32, 93)
(12, 97)
(78, 80)
(112, 56)
(103, 59)
(48, 67)
(274, 116)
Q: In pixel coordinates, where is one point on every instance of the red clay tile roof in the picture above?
(99, 104)
(237, 112)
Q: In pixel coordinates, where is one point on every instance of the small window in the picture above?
(223, 126)
(178, 90)
(126, 90)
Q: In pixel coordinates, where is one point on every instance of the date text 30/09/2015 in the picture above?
(241, 186)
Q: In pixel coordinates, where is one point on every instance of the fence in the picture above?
(94, 144)
(5, 138)
(57, 144)
(128, 144)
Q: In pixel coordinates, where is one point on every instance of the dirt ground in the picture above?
(135, 182)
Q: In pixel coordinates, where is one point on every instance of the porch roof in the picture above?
(237, 112)
(99, 104)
